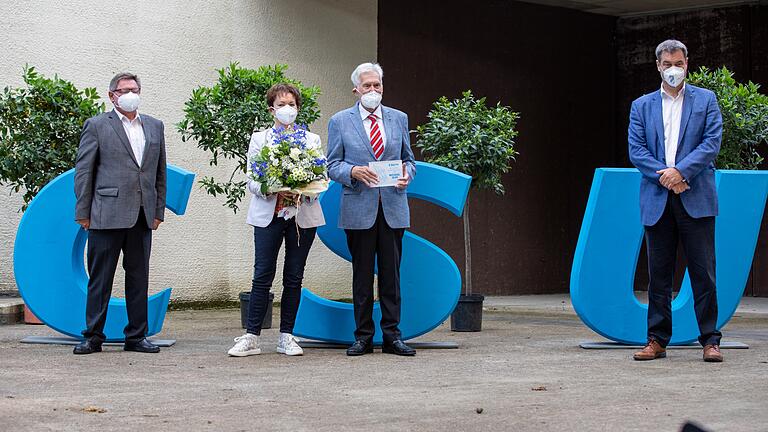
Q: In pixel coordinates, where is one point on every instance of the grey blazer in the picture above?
(109, 185)
(348, 146)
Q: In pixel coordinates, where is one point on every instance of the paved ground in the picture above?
(524, 370)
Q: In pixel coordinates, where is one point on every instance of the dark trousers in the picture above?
(698, 239)
(367, 246)
(266, 244)
(104, 248)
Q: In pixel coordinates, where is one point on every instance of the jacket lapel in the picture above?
(357, 122)
(688, 101)
(114, 120)
(147, 140)
(658, 120)
(389, 121)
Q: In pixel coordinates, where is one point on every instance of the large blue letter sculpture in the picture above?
(602, 277)
(48, 259)
(430, 281)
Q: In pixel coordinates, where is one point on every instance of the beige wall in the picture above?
(175, 46)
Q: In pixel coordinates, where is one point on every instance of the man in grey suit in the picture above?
(373, 218)
(120, 177)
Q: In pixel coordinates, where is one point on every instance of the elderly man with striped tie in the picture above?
(374, 217)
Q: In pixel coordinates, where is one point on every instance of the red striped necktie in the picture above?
(377, 142)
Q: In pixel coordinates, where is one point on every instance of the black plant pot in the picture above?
(468, 315)
(245, 300)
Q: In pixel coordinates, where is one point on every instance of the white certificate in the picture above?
(388, 172)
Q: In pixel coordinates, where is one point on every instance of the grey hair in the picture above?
(366, 67)
(123, 76)
(670, 46)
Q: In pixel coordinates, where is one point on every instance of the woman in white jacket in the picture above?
(269, 231)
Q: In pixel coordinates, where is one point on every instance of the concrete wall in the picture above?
(175, 46)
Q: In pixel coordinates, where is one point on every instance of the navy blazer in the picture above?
(349, 146)
(701, 129)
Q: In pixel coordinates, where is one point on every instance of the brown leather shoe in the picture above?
(651, 351)
(712, 353)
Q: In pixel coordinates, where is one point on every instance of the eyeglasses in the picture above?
(126, 90)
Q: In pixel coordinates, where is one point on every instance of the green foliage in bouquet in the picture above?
(745, 117)
(222, 118)
(287, 164)
(40, 127)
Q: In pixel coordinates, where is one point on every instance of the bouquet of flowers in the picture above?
(288, 165)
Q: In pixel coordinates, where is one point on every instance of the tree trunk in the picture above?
(467, 251)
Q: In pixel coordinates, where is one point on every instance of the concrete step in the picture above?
(11, 310)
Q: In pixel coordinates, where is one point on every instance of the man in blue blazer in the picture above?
(674, 137)
(373, 218)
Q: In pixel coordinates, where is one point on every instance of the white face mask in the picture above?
(673, 76)
(286, 114)
(129, 102)
(371, 100)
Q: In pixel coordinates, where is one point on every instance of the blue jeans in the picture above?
(267, 242)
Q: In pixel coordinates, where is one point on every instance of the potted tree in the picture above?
(221, 120)
(468, 136)
(40, 127)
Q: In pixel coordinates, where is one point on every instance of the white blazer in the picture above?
(262, 208)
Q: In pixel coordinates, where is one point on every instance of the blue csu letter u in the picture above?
(48, 259)
(603, 273)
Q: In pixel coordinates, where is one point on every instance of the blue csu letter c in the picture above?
(430, 281)
(48, 259)
(602, 277)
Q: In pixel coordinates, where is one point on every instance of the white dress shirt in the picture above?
(672, 112)
(368, 124)
(135, 131)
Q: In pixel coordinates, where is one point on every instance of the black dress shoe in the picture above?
(143, 346)
(359, 348)
(399, 348)
(87, 346)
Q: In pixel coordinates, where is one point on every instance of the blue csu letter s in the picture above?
(430, 281)
(48, 259)
(603, 273)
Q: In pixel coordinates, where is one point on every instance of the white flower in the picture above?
(295, 153)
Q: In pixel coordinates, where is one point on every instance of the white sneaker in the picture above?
(288, 345)
(245, 345)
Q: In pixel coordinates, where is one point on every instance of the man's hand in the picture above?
(403, 181)
(156, 224)
(669, 177)
(680, 188)
(365, 175)
(85, 223)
